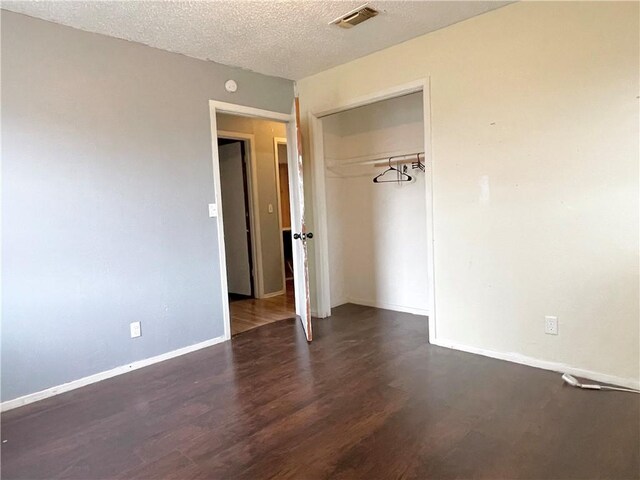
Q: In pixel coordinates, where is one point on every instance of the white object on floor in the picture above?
(573, 381)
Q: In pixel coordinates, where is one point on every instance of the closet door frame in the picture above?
(319, 197)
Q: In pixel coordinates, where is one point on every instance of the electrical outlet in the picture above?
(135, 329)
(270, 208)
(551, 325)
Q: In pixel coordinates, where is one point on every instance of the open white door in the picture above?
(298, 228)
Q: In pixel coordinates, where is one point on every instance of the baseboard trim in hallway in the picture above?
(388, 306)
(97, 377)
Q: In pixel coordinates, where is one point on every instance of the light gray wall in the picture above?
(106, 177)
(270, 232)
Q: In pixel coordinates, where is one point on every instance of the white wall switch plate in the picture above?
(271, 208)
(551, 325)
(213, 210)
(135, 329)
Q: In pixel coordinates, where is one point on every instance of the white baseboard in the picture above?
(388, 306)
(97, 377)
(274, 294)
(339, 302)
(544, 364)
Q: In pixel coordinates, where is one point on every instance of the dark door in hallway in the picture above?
(237, 222)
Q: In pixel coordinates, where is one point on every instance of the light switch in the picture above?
(213, 210)
(271, 208)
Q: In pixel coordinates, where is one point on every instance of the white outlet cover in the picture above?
(551, 325)
(135, 329)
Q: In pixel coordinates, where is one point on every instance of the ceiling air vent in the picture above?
(354, 17)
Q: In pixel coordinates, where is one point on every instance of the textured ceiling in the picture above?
(288, 39)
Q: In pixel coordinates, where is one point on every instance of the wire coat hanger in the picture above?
(400, 177)
(417, 163)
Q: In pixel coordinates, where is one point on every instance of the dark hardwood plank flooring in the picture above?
(369, 398)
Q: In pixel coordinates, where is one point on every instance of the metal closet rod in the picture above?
(407, 155)
(395, 158)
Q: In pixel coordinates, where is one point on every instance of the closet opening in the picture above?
(376, 179)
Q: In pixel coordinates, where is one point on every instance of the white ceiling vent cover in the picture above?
(355, 17)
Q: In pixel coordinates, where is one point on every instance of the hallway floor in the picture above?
(250, 313)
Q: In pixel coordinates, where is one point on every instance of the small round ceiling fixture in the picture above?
(231, 86)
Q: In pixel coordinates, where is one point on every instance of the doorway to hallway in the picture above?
(257, 221)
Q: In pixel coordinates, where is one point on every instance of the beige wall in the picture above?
(539, 102)
(264, 132)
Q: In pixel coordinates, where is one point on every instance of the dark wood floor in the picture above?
(369, 398)
(250, 313)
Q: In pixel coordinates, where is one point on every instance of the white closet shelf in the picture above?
(373, 159)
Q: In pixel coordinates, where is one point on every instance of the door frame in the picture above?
(319, 197)
(216, 107)
(280, 141)
(254, 210)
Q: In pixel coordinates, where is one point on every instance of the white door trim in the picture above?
(280, 141)
(319, 197)
(216, 107)
(254, 207)
(386, 94)
(244, 111)
(321, 239)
